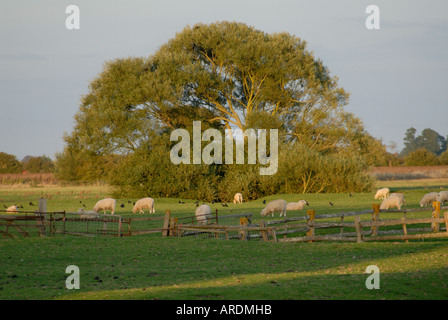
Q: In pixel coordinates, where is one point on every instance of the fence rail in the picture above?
(308, 224)
(361, 235)
(28, 223)
(296, 229)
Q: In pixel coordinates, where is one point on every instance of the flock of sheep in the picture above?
(203, 212)
(109, 204)
(396, 200)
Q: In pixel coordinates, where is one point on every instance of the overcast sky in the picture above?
(396, 76)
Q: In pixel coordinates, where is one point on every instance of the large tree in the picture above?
(228, 75)
(237, 73)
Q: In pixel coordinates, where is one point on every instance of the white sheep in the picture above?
(144, 203)
(382, 193)
(391, 202)
(13, 209)
(87, 214)
(238, 198)
(442, 197)
(428, 198)
(399, 195)
(296, 205)
(105, 204)
(275, 206)
(203, 214)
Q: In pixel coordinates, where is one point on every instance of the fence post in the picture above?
(264, 234)
(445, 215)
(405, 230)
(342, 227)
(358, 229)
(375, 216)
(173, 227)
(120, 227)
(243, 223)
(42, 216)
(311, 213)
(216, 222)
(435, 214)
(166, 223)
(273, 234)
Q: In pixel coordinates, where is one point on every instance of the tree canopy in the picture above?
(227, 75)
(428, 139)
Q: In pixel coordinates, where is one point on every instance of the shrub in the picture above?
(421, 157)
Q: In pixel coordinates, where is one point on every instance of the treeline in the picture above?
(427, 149)
(32, 164)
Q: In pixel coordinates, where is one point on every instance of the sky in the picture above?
(396, 75)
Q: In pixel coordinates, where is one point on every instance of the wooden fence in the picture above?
(360, 229)
(29, 223)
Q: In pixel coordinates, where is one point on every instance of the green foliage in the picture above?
(307, 171)
(9, 163)
(429, 140)
(421, 157)
(225, 75)
(443, 158)
(41, 164)
(149, 172)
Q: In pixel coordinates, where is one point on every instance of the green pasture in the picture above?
(152, 267)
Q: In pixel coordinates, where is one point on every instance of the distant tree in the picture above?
(429, 139)
(409, 141)
(38, 164)
(421, 157)
(9, 163)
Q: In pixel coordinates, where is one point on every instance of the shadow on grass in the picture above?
(290, 286)
(179, 268)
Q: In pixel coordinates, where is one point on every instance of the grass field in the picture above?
(152, 267)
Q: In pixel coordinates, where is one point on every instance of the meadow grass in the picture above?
(152, 267)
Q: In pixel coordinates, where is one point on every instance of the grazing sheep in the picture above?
(145, 203)
(203, 214)
(443, 196)
(13, 209)
(382, 193)
(238, 198)
(87, 214)
(428, 198)
(399, 195)
(391, 202)
(275, 206)
(296, 205)
(105, 204)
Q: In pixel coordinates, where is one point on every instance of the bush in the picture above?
(421, 157)
(9, 163)
(443, 158)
